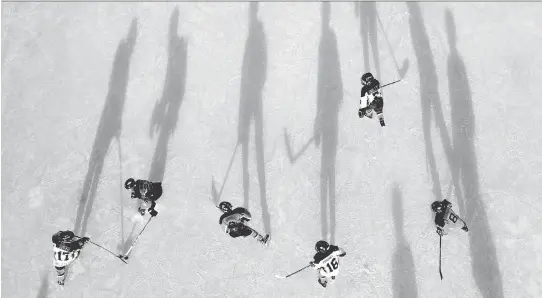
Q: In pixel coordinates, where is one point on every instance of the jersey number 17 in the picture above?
(68, 256)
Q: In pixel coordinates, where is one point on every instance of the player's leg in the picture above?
(378, 104)
(322, 279)
(140, 209)
(251, 232)
(61, 275)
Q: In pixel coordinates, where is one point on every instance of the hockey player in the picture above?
(148, 192)
(326, 261)
(445, 217)
(371, 98)
(234, 222)
(65, 250)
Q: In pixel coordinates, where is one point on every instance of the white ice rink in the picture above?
(95, 93)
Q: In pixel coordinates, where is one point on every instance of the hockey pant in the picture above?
(325, 279)
(61, 274)
(377, 105)
(452, 222)
(146, 205)
(240, 230)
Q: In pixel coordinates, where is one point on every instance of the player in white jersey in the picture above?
(446, 218)
(326, 261)
(66, 249)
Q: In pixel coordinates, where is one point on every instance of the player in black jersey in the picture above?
(234, 222)
(371, 99)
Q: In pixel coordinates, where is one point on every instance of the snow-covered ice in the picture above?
(95, 93)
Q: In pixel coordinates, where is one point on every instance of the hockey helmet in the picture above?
(66, 236)
(321, 246)
(225, 206)
(130, 183)
(436, 206)
(366, 77)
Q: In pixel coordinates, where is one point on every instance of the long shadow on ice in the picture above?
(326, 125)
(44, 287)
(366, 11)
(403, 269)
(166, 111)
(109, 128)
(429, 94)
(253, 77)
(464, 167)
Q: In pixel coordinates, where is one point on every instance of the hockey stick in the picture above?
(278, 276)
(127, 254)
(440, 258)
(402, 71)
(390, 83)
(104, 249)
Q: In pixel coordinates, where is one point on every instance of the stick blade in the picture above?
(279, 276)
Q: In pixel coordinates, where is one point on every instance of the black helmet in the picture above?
(366, 77)
(321, 246)
(130, 183)
(225, 206)
(66, 236)
(436, 206)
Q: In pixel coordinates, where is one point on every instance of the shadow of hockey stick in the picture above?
(293, 157)
(121, 195)
(216, 196)
(404, 68)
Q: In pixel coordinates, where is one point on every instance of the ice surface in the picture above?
(95, 93)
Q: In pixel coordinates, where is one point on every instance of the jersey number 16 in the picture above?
(332, 265)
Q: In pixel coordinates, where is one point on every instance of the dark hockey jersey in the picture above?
(319, 256)
(68, 245)
(372, 87)
(441, 216)
(154, 190)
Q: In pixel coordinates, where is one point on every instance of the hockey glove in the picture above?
(465, 229)
(360, 113)
(153, 212)
(440, 232)
(311, 264)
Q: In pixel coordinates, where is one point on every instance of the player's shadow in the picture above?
(367, 14)
(166, 111)
(429, 95)
(326, 125)
(253, 77)
(109, 127)
(44, 287)
(464, 167)
(403, 269)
